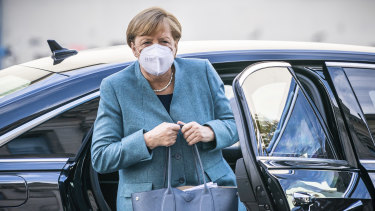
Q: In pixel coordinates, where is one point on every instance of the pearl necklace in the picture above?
(164, 88)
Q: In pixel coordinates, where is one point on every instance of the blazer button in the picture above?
(177, 156)
(181, 180)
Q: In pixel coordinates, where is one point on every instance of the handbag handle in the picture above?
(169, 202)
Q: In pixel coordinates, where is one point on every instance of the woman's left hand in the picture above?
(194, 132)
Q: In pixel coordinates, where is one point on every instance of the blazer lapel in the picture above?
(153, 110)
(181, 97)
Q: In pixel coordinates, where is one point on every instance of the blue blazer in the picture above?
(129, 107)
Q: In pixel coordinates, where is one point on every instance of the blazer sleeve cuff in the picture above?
(134, 146)
(221, 137)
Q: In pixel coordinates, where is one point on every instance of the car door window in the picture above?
(60, 136)
(285, 122)
(362, 81)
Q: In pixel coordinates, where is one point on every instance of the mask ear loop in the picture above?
(176, 47)
(136, 50)
(138, 53)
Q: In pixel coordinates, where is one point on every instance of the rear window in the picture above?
(16, 78)
(60, 136)
(363, 84)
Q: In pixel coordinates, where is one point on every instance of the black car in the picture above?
(305, 114)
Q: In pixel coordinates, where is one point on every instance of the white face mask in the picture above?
(156, 59)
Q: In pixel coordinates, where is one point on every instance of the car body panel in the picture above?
(40, 177)
(13, 191)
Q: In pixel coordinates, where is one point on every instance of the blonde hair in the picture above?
(149, 20)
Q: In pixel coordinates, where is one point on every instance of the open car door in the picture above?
(290, 159)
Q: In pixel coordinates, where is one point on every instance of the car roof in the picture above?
(122, 53)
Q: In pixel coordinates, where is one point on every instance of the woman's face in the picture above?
(162, 36)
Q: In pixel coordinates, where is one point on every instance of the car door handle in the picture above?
(302, 199)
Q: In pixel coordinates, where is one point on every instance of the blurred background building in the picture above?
(26, 25)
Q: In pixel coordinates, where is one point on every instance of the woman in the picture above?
(142, 107)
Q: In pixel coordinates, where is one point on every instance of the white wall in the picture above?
(82, 24)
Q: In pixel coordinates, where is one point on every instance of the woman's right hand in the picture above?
(164, 134)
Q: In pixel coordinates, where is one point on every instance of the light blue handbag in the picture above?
(174, 199)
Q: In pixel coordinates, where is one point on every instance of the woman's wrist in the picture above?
(148, 141)
(210, 134)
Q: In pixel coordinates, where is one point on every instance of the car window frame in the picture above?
(336, 163)
(9, 136)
